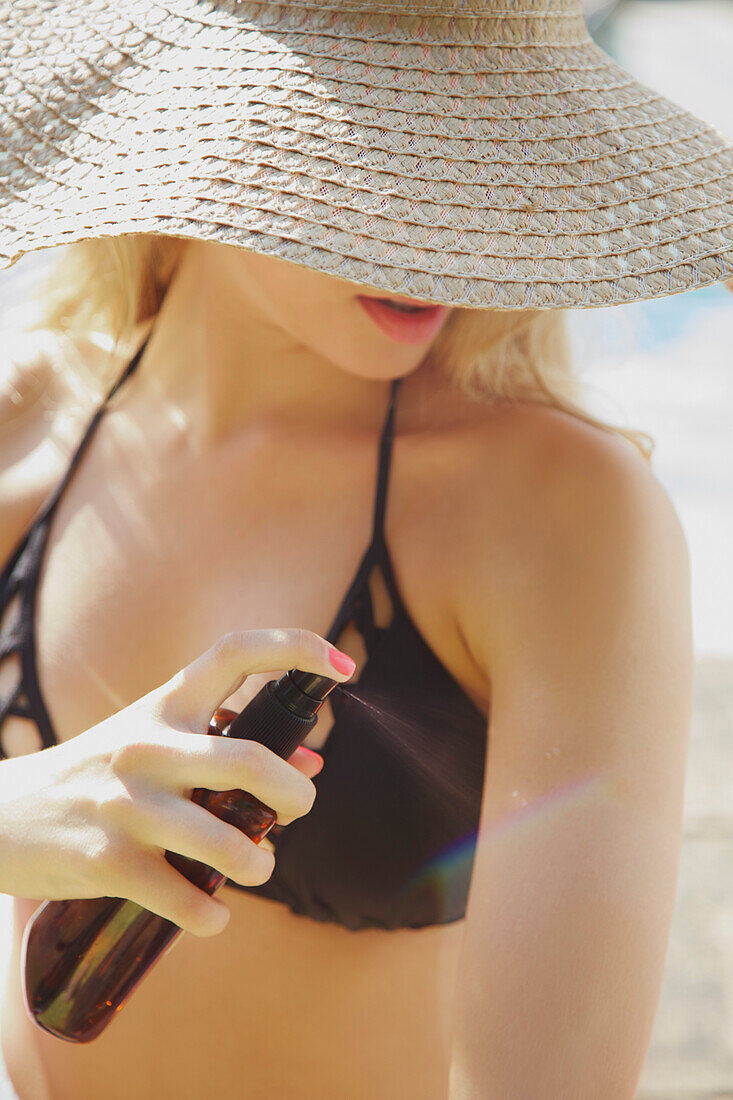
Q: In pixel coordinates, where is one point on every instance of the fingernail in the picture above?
(342, 662)
(310, 752)
(317, 761)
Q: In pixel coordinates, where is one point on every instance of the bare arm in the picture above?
(590, 655)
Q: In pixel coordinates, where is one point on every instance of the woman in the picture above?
(337, 421)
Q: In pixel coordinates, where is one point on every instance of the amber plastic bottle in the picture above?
(81, 959)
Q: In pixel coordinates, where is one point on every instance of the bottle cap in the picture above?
(283, 712)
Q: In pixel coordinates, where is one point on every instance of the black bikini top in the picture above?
(390, 839)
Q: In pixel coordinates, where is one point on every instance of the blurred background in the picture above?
(666, 367)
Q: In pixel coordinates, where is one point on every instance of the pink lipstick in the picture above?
(403, 319)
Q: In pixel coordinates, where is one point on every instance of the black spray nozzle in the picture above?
(311, 683)
(283, 712)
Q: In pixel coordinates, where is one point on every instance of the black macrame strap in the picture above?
(357, 604)
(385, 455)
(56, 495)
(21, 577)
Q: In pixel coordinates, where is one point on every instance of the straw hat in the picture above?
(469, 152)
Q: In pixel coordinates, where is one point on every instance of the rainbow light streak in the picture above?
(447, 873)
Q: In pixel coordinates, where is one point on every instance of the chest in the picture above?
(153, 553)
(146, 565)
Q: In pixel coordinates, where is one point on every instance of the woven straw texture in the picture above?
(469, 152)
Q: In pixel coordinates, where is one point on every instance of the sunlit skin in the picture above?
(259, 374)
(232, 311)
(239, 461)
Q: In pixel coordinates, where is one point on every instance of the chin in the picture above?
(372, 355)
(378, 367)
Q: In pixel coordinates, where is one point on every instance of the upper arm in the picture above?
(588, 647)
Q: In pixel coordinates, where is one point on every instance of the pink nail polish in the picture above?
(342, 662)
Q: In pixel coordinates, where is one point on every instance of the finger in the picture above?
(179, 762)
(178, 825)
(157, 886)
(306, 761)
(201, 687)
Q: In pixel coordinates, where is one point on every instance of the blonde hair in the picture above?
(115, 283)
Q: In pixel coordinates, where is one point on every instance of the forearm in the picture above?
(12, 784)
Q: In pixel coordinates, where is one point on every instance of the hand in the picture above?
(93, 816)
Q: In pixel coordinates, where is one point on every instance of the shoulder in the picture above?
(552, 476)
(26, 370)
(46, 397)
(40, 367)
(560, 510)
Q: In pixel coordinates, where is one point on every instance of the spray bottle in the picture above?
(81, 959)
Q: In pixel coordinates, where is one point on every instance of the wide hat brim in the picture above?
(489, 157)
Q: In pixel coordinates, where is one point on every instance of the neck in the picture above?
(220, 366)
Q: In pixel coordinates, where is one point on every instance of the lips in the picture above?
(403, 319)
